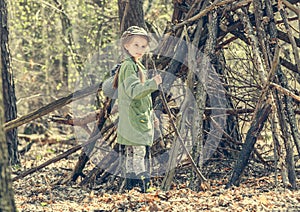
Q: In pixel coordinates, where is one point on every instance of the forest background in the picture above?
(59, 47)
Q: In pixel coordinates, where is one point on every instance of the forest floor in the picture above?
(41, 192)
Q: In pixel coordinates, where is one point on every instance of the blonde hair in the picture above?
(125, 39)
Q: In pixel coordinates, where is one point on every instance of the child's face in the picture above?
(137, 46)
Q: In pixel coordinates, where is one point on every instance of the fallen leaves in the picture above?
(219, 199)
(38, 192)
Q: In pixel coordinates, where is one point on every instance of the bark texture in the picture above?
(9, 98)
(7, 202)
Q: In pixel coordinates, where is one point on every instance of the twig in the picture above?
(53, 160)
(285, 91)
(76, 121)
(51, 107)
(204, 12)
(289, 31)
(295, 9)
(57, 158)
(190, 159)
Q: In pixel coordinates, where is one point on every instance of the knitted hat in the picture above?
(135, 30)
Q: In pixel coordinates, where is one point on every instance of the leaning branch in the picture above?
(60, 157)
(204, 12)
(284, 36)
(289, 31)
(289, 5)
(77, 121)
(203, 180)
(53, 160)
(285, 91)
(51, 107)
(289, 65)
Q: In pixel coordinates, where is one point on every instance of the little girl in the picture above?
(136, 117)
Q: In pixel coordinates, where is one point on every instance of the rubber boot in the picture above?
(144, 181)
(130, 181)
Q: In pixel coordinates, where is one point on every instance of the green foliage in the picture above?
(158, 13)
(51, 43)
(40, 44)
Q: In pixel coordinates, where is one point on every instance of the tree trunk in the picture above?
(131, 14)
(7, 202)
(64, 60)
(69, 41)
(9, 98)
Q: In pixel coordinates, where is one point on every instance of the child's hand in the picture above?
(157, 79)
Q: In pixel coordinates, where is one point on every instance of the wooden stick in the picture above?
(295, 9)
(58, 158)
(77, 121)
(289, 31)
(285, 91)
(51, 107)
(53, 160)
(206, 11)
(190, 159)
(200, 175)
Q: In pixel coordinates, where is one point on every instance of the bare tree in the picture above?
(131, 13)
(254, 79)
(10, 108)
(7, 202)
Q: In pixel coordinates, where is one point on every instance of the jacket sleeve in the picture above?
(132, 84)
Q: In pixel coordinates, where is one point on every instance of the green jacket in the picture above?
(135, 106)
